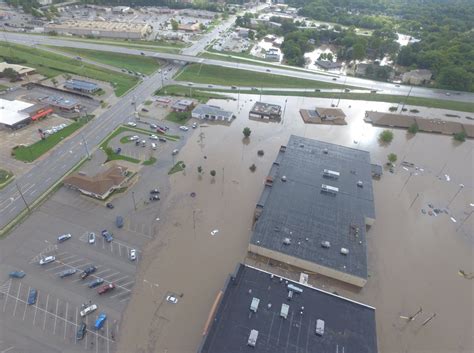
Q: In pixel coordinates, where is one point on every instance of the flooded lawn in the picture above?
(414, 258)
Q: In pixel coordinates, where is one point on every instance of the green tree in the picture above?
(453, 77)
(251, 35)
(392, 158)
(386, 136)
(213, 173)
(174, 24)
(413, 129)
(10, 73)
(460, 136)
(247, 131)
(199, 168)
(359, 51)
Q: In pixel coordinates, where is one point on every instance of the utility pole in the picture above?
(461, 186)
(412, 317)
(133, 199)
(23, 198)
(464, 220)
(406, 182)
(342, 90)
(417, 194)
(408, 96)
(428, 319)
(284, 110)
(85, 146)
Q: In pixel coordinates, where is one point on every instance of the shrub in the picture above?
(386, 136)
(260, 153)
(247, 131)
(392, 109)
(460, 136)
(253, 167)
(413, 129)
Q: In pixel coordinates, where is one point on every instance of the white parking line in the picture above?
(7, 292)
(106, 270)
(36, 310)
(118, 280)
(107, 333)
(75, 337)
(24, 312)
(45, 311)
(126, 284)
(56, 316)
(17, 297)
(113, 274)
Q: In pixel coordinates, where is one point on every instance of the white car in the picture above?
(175, 152)
(88, 310)
(133, 255)
(133, 138)
(153, 137)
(47, 260)
(184, 128)
(131, 123)
(195, 125)
(171, 299)
(91, 238)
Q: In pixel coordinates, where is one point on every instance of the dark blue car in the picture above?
(95, 283)
(107, 235)
(32, 296)
(17, 274)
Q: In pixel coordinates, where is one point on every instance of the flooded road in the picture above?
(414, 258)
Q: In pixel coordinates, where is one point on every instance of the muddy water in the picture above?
(414, 258)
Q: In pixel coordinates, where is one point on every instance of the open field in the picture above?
(178, 117)
(181, 91)
(227, 76)
(50, 65)
(136, 63)
(36, 150)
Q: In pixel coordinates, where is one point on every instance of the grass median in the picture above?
(182, 91)
(217, 75)
(136, 63)
(5, 178)
(51, 64)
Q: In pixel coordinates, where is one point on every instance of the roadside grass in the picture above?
(2, 87)
(181, 91)
(50, 65)
(37, 149)
(5, 178)
(125, 139)
(374, 97)
(178, 117)
(150, 161)
(178, 167)
(136, 63)
(148, 102)
(217, 75)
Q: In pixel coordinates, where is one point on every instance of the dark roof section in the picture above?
(298, 208)
(349, 326)
(81, 85)
(328, 65)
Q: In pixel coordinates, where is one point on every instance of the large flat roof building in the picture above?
(255, 314)
(106, 29)
(267, 111)
(211, 112)
(314, 210)
(16, 112)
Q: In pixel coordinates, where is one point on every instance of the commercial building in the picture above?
(107, 29)
(21, 70)
(15, 114)
(314, 210)
(61, 103)
(182, 105)
(260, 312)
(266, 111)
(81, 86)
(211, 112)
(328, 65)
(332, 116)
(189, 27)
(417, 77)
(99, 186)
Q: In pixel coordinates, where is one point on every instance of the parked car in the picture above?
(67, 272)
(95, 283)
(234, 87)
(153, 137)
(119, 221)
(131, 123)
(162, 127)
(154, 198)
(81, 331)
(133, 255)
(17, 274)
(107, 235)
(153, 126)
(184, 128)
(91, 238)
(109, 205)
(145, 110)
(105, 288)
(143, 142)
(153, 146)
(47, 260)
(88, 310)
(175, 152)
(171, 299)
(64, 237)
(133, 138)
(195, 125)
(88, 271)
(161, 139)
(32, 295)
(268, 70)
(155, 191)
(100, 321)
(142, 53)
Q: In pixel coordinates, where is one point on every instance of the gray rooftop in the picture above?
(205, 109)
(349, 326)
(298, 209)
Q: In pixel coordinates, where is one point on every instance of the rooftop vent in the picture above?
(285, 308)
(331, 174)
(360, 184)
(254, 304)
(252, 341)
(320, 327)
(344, 251)
(325, 151)
(326, 244)
(287, 241)
(283, 178)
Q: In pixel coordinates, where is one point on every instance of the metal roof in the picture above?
(12, 112)
(82, 85)
(298, 208)
(205, 109)
(349, 325)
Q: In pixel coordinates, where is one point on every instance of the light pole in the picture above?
(406, 182)
(464, 220)
(22, 197)
(461, 186)
(406, 99)
(85, 146)
(133, 199)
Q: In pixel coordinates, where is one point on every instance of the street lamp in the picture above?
(461, 186)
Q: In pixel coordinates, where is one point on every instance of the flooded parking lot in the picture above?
(414, 258)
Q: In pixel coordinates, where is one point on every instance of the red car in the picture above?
(105, 288)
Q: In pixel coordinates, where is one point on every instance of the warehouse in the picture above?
(314, 210)
(15, 114)
(211, 112)
(263, 313)
(101, 29)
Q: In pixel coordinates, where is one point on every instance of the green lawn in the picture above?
(2, 87)
(156, 45)
(149, 161)
(178, 117)
(36, 150)
(136, 63)
(176, 168)
(5, 178)
(181, 91)
(51, 64)
(227, 76)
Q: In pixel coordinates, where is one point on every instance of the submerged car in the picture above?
(106, 288)
(32, 295)
(67, 272)
(91, 238)
(64, 237)
(107, 235)
(100, 321)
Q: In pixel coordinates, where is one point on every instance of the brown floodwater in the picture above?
(414, 258)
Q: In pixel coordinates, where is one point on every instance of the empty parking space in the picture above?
(116, 248)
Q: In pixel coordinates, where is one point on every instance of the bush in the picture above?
(460, 136)
(392, 109)
(413, 129)
(213, 173)
(247, 131)
(253, 168)
(414, 111)
(392, 158)
(260, 153)
(386, 136)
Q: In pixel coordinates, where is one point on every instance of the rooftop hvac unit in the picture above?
(344, 251)
(325, 151)
(254, 304)
(294, 288)
(331, 174)
(326, 244)
(287, 241)
(252, 341)
(329, 189)
(285, 308)
(320, 327)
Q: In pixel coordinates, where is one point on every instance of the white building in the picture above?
(211, 112)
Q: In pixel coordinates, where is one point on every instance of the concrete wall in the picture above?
(307, 265)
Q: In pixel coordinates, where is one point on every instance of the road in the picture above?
(380, 87)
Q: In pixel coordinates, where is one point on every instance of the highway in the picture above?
(380, 87)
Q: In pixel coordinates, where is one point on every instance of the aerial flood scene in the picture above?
(223, 177)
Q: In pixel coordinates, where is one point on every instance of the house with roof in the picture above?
(328, 65)
(99, 186)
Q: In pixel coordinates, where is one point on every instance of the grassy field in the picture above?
(150, 161)
(50, 64)
(181, 91)
(178, 117)
(178, 167)
(227, 76)
(423, 102)
(2, 87)
(5, 178)
(36, 150)
(135, 63)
